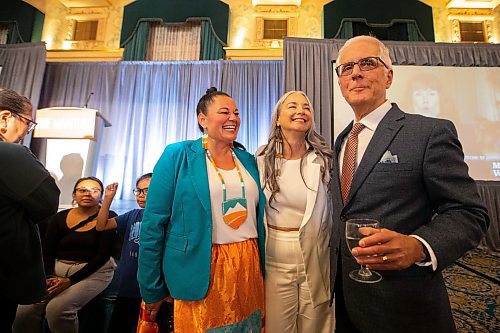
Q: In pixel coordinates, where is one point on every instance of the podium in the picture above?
(72, 143)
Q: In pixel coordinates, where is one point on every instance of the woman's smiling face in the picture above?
(222, 120)
(295, 114)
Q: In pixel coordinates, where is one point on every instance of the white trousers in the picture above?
(62, 310)
(289, 308)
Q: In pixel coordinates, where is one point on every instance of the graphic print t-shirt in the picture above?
(130, 223)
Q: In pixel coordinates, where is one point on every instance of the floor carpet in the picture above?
(474, 289)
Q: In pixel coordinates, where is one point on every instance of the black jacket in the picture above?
(28, 195)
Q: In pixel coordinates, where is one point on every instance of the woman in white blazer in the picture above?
(294, 171)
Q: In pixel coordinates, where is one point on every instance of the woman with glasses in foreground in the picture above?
(78, 263)
(28, 195)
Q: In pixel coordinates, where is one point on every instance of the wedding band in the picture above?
(385, 259)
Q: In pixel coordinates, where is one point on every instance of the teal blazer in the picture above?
(176, 232)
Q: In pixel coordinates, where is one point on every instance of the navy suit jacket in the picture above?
(427, 193)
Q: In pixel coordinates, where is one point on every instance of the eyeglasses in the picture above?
(30, 123)
(85, 190)
(365, 64)
(138, 191)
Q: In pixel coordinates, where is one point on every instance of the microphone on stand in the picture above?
(88, 99)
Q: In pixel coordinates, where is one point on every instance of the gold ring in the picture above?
(385, 259)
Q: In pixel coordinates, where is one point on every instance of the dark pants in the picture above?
(125, 315)
(343, 323)
(8, 310)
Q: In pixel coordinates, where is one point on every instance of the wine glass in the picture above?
(353, 234)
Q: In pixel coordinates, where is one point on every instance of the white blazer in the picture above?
(315, 229)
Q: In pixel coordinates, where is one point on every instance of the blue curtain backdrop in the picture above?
(153, 104)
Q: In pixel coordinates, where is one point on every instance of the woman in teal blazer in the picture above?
(197, 241)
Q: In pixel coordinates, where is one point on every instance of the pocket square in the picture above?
(389, 158)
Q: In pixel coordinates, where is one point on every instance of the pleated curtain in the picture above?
(174, 41)
(153, 104)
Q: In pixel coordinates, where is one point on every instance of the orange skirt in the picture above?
(235, 297)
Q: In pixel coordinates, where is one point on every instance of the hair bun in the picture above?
(210, 90)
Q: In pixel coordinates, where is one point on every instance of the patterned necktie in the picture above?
(349, 161)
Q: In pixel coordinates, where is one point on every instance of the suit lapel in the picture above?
(197, 169)
(387, 129)
(312, 178)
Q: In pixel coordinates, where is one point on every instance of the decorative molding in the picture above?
(278, 10)
(472, 3)
(470, 18)
(280, 3)
(488, 31)
(288, 13)
(254, 53)
(455, 31)
(84, 55)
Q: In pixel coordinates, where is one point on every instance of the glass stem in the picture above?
(364, 271)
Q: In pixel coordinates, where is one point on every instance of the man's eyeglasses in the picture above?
(30, 123)
(138, 191)
(365, 64)
(85, 190)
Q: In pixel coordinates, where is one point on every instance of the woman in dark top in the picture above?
(78, 262)
(28, 195)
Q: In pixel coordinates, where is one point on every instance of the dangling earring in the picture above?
(278, 143)
(204, 139)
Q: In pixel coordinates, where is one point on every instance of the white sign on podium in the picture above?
(72, 142)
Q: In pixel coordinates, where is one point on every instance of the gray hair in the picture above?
(315, 142)
(383, 51)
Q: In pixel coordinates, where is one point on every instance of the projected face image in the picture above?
(426, 102)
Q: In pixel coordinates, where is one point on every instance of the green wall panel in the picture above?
(176, 11)
(378, 11)
(22, 13)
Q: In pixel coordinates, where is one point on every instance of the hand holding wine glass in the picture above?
(355, 230)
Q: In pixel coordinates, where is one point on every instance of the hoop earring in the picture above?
(204, 139)
(278, 143)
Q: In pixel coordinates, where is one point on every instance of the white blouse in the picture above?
(291, 201)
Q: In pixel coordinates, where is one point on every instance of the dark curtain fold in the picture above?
(135, 47)
(212, 48)
(23, 67)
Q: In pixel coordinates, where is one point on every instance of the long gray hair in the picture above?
(315, 143)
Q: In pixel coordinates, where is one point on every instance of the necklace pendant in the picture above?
(234, 212)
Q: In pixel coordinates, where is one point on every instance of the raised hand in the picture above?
(110, 190)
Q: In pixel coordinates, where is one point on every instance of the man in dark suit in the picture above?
(409, 174)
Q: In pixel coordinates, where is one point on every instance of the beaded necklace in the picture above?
(234, 211)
